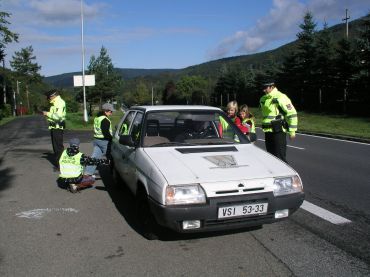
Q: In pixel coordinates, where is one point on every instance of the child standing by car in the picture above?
(232, 113)
(247, 120)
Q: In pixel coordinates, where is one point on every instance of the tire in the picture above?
(146, 220)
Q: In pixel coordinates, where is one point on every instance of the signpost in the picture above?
(83, 81)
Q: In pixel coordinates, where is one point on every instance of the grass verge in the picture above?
(343, 125)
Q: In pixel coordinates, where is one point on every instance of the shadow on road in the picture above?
(124, 201)
(5, 176)
(50, 157)
(121, 196)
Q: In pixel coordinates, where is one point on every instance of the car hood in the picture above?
(186, 165)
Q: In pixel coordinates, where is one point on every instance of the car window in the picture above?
(198, 127)
(136, 127)
(125, 126)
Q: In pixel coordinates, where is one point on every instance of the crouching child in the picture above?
(72, 163)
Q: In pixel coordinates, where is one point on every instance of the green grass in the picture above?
(328, 124)
(75, 121)
(6, 120)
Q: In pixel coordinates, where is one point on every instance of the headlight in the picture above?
(187, 194)
(287, 185)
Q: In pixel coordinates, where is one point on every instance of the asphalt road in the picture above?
(46, 231)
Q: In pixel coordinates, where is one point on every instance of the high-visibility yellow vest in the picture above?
(70, 166)
(276, 103)
(97, 126)
(252, 127)
(57, 114)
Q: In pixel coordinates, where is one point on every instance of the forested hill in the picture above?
(66, 80)
(210, 69)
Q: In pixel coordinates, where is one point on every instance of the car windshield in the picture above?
(189, 128)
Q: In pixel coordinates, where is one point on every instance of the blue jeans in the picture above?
(100, 149)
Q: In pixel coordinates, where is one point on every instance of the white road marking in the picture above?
(343, 140)
(39, 213)
(324, 214)
(300, 148)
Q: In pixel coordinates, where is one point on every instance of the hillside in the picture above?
(212, 68)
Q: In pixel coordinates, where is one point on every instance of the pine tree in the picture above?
(107, 80)
(305, 57)
(6, 36)
(26, 69)
(323, 67)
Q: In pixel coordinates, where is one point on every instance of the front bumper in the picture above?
(173, 216)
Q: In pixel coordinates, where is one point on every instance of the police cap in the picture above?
(268, 84)
(51, 93)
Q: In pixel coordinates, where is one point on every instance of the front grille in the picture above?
(239, 190)
(226, 191)
(241, 201)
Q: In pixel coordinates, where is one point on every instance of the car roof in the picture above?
(173, 107)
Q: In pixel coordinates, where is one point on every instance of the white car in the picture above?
(192, 170)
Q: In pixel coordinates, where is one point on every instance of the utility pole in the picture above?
(83, 62)
(152, 96)
(15, 104)
(346, 87)
(4, 82)
(346, 20)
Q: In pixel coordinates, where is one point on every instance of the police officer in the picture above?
(56, 117)
(279, 118)
(102, 135)
(71, 164)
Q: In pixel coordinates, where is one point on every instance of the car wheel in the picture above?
(146, 220)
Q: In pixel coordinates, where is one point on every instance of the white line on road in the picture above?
(324, 214)
(343, 140)
(300, 148)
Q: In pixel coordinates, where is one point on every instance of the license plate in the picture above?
(243, 210)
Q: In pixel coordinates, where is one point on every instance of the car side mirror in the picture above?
(126, 140)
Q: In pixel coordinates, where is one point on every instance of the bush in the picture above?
(6, 110)
(72, 106)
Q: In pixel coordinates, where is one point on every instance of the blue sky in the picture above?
(162, 33)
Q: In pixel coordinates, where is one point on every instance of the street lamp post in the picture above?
(83, 62)
(15, 103)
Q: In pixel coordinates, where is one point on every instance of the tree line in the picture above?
(320, 73)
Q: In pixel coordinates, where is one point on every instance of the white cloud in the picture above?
(282, 23)
(56, 11)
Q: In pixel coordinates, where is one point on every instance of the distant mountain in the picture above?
(66, 80)
(210, 69)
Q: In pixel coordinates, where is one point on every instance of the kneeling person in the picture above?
(72, 163)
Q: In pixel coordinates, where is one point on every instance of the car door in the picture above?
(129, 160)
(119, 150)
(124, 156)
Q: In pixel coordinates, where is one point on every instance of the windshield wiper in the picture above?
(173, 143)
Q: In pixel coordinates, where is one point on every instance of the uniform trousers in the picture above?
(57, 142)
(275, 143)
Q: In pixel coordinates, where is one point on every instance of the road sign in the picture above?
(89, 80)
